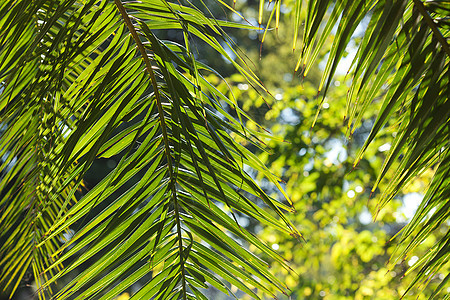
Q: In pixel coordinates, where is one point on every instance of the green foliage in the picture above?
(404, 46)
(82, 81)
(345, 255)
(87, 80)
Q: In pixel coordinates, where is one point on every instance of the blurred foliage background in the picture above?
(346, 254)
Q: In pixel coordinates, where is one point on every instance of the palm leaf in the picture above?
(83, 80)
(404, 47)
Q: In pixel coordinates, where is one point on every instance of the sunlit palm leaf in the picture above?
(87, 80)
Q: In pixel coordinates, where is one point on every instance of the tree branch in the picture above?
(164, 132)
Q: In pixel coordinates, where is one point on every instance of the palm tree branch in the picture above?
(164, 132)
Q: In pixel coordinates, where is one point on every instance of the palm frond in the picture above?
(84, 80)
(404, 47)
